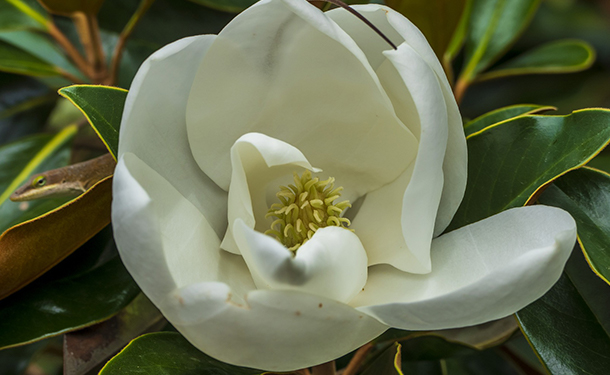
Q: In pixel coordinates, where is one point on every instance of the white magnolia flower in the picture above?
(214, 125)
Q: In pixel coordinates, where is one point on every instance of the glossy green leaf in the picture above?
(103, 107)
(502, 114)
(18, 61)
(568, 327)
(563, 56)
(168, 353)
(84, 350)
(18, 161)
(21, 14)
(25, 105)
(585, 194)
(509, 162)
(89, 286)
(389, 362)
(494, 25)
(437, 19)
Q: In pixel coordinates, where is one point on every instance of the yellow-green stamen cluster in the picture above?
(305, 207)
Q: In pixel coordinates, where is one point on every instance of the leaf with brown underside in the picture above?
(29, 249)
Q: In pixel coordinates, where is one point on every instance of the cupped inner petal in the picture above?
(408, 205)
(332, 264)
(282, 68)
(481, 272)
(181, 235)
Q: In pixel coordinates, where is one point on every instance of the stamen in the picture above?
(305, 207)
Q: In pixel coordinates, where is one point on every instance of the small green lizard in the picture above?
(71, 180)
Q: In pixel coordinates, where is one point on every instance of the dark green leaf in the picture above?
(437, 20)
(564, 56)
(21, 14)
(89, 286)
(168, 353)
(509, 162)
(103, 107)
(25, 105)
(14, 361)
(18, 161)
(428, 348)
(585, 194)
(502, 114)
(568, 326)
(389, 362)
(494, 25)
(233, 6)
(483, 363)
(16, 60)
(134, 54)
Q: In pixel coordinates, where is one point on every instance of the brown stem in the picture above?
(460, 89)
(327, 368)
(89, 33)
(356, 361)
(69, 48)
(120, 45)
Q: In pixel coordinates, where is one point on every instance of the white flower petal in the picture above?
(332, 264)
(276, 330)
(164, 241)
(396, 27)
(154, 120)
(407, 206)
(259, 164)
(284, 69)
(481, 272)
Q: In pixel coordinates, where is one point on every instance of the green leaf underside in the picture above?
(18, 161)
(103, 107)
(387, 363)
(18, 61)
(494, 25)
(503, 114)
(437, 20)
(168, 353)
(564, 56)
(585, 194)
(89, 286)
(568, 326)
(509, 162)
(18, 18)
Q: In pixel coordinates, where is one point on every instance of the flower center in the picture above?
(305, 207)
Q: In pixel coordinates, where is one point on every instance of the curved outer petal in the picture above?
(259, 164)
(207, 293)
(332, 264)
(484, 271)
(399, 29)
(396, 222)
(282, 68)
(154, 120)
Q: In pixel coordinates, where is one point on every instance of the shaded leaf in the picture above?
(19, 160)
(14, 361)
(25, 105)
(168, 353)
(389, 362)
(502, 114)
(585, 194)
(509, 162)
(457, 40)
(563, 56)
(21, 14)
(103, 107)
(89, 286)
(437, 20)
(61, 230)
(494, 25)
(18, 61)
(233, 6)
(429, 348)
(69, 7)
(564, 326)
(484, 363)
(86, 349)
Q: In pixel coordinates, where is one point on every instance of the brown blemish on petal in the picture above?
(320, 305)
(297, 313)
(181, 300)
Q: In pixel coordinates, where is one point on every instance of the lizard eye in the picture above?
(39, 181)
